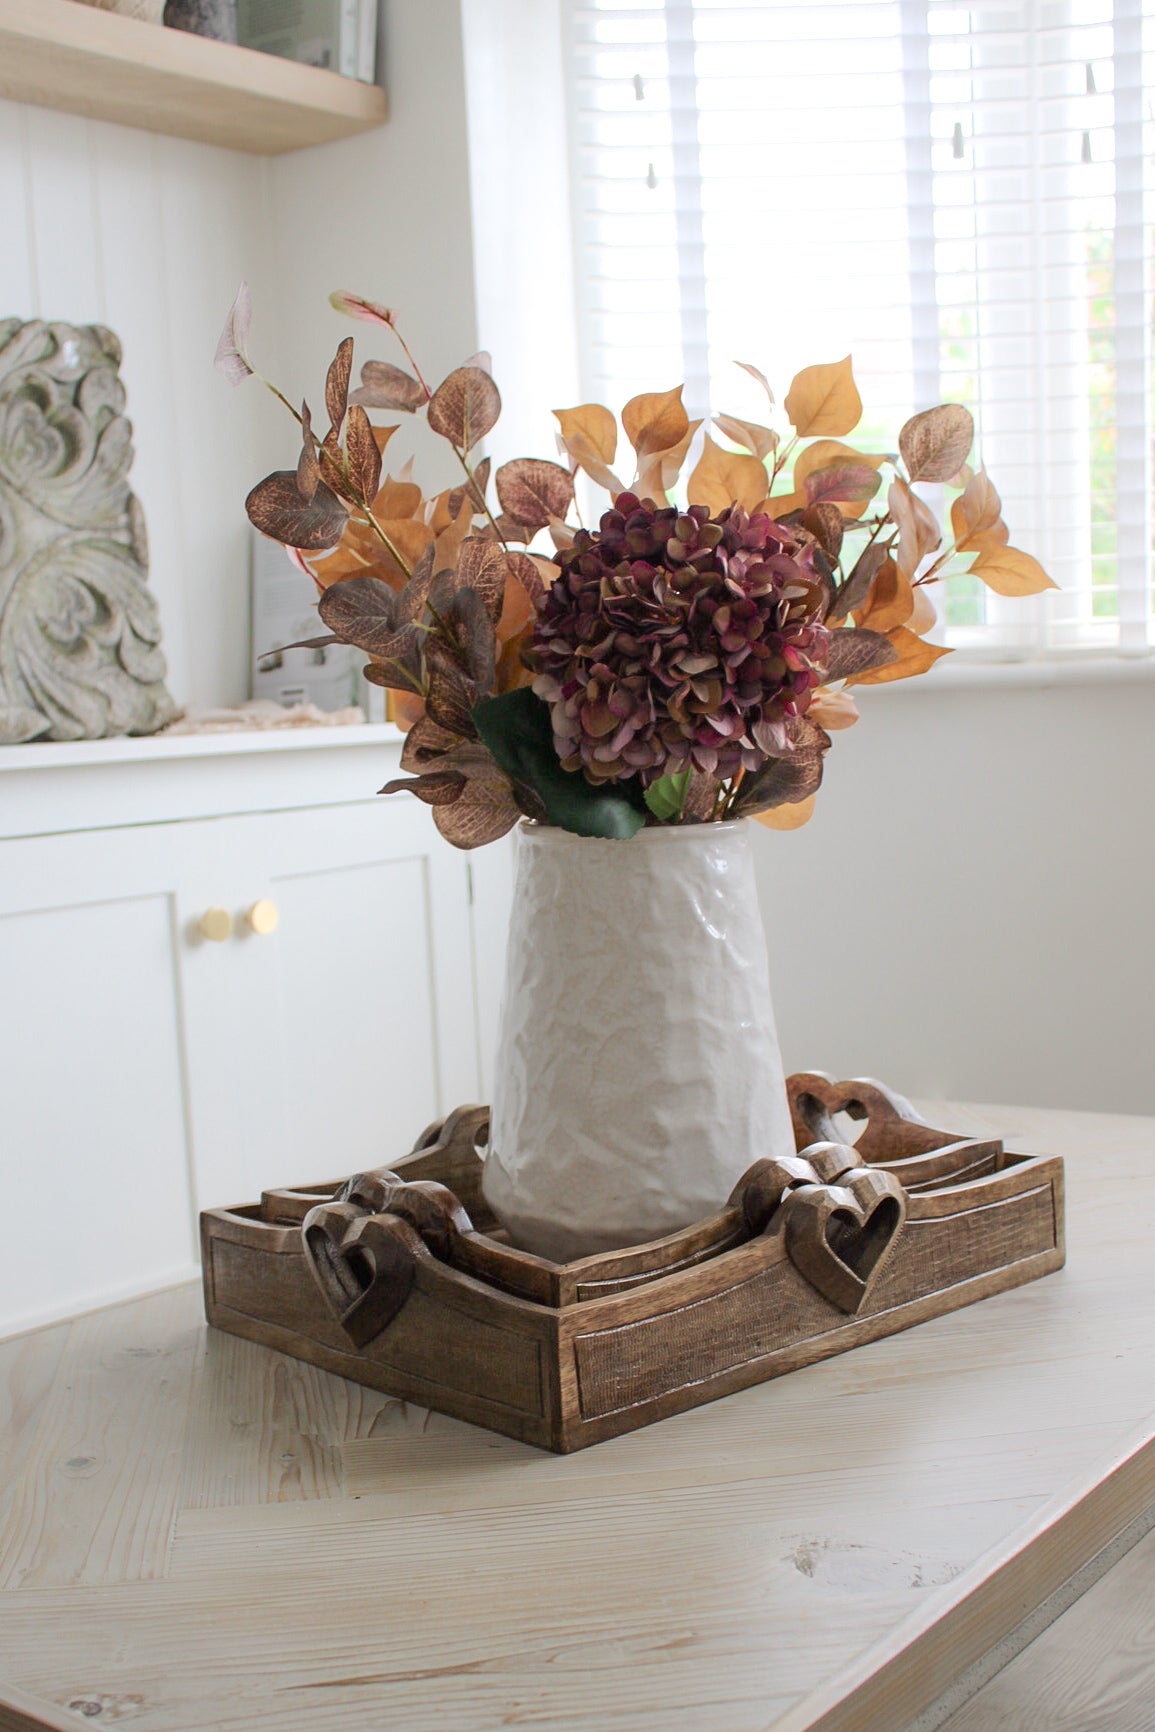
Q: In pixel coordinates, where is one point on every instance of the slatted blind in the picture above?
(960, 196)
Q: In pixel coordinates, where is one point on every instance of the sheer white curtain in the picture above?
(958, 195)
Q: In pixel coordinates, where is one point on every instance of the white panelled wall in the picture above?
(151, 236)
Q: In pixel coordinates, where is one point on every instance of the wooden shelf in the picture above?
(61, 54)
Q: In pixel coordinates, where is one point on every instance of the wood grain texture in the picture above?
(1092, 1671)
(812, 1546)
(114, 1414)
(59, 55)
(388, 1280)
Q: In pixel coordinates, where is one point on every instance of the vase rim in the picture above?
(529, 829)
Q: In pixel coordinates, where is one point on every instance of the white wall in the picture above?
(387, 215)
(971, 912)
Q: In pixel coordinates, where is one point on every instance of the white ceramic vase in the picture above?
(638, 1070)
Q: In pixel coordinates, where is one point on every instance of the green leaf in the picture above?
(516, 729)
(667, 795)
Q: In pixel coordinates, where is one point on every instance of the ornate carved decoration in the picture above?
(80, 633)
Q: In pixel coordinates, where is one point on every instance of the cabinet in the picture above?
(147, 1071)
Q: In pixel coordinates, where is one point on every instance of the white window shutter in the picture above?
(958, 195)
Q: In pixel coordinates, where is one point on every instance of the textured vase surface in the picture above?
(638, 1070)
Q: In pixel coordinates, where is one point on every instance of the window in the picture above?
(957, 195)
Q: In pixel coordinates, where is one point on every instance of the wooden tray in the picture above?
(402, 1278)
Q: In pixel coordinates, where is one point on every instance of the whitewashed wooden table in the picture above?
(197, 1533)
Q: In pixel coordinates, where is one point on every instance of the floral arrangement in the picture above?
(685, 661)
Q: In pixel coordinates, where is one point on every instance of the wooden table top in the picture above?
(198, 1533)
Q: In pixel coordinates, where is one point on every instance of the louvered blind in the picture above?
(960, 196)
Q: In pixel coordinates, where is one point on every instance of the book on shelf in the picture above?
(340, 35)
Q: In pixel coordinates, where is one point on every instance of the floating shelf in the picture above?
(61, 54)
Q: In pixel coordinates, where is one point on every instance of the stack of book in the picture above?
(338, 34)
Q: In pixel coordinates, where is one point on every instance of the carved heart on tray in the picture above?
(839, 1236)
(363, 1264)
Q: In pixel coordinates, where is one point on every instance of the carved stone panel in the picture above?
(80, 633)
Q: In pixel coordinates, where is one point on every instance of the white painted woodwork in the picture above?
(196, 1531)
(90, 1061)
(62, 56)
(147, 1071)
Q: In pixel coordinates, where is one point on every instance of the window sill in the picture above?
(963, 672)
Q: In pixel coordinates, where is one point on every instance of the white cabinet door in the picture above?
(94, 1159)
(356, 1020)
(146, 1072)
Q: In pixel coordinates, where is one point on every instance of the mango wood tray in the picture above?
(402, 1278)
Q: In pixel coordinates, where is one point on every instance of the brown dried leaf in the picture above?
(398, 499)
(362, 611)
(511, 530)
(410, 603)
(357, 307)
(449, 542)
(425, 743)
(276, 508)
(658, 472)
(471, 628)
(450, 697)
(590, 427)
(337, 384)
(384, 386)
(362, 455)
(824, 400)
(756, 373)
(724, 478)
(915, 656)
(787, 780)
(561, 534)
(1007, 570)
(935, 444)
(758, 440)
(655, 421)
(825, 523)
(855, 590)
(332, 463)
(465, 407)
(891, 600)
(548, 572)
(482, 568)
(409, 537)
(833, 710)
(917, 525)
(701, 794)
(977, 511)
(308, 468)
(532, 490)
(439, 788)
(924, 614)
(851, 485)
(822, 452)
(787, 817)
(484, 811)
(856, 651)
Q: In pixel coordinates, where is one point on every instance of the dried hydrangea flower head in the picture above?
(674, 640)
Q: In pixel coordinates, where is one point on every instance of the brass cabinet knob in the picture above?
(263, 917)
(215, 924)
